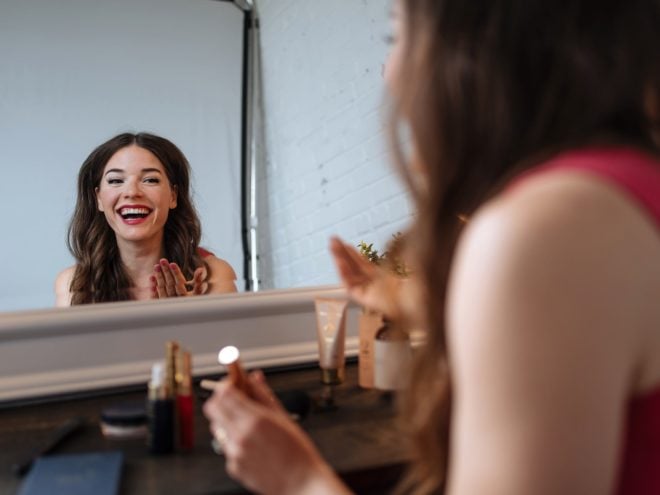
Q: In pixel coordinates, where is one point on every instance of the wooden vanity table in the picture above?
(360, 439)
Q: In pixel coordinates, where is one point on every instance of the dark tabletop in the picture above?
(359, 438)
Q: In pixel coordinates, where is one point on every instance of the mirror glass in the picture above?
(75, 73)
(326, 169)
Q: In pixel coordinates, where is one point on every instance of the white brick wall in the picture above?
(325, 168)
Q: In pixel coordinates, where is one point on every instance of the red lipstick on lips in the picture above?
(134, 214)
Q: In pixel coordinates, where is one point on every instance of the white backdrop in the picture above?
(74, 73)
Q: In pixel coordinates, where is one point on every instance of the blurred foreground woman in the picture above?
(536, 121)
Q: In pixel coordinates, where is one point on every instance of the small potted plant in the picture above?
(373, 370)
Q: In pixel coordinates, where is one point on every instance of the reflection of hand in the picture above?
(368, 284)
(168, 281)
(265, 450)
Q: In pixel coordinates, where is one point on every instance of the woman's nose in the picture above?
(132, 188)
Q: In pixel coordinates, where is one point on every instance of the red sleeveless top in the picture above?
(637, 175)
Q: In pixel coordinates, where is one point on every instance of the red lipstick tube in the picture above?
(184, 404)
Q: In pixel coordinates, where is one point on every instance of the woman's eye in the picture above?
(114, 181)
(152, 180)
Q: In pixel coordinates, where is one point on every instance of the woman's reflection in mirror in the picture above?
(135, 232)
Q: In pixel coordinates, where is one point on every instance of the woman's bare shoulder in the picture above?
(63, 286)
(222, 277)
(548, 289)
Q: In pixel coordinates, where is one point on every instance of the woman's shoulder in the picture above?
(567, 204)
(222, 277)
(562, 250)
(572, 223)
(63, 286)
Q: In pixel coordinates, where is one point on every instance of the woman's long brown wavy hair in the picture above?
(489, 88)
(100, 275)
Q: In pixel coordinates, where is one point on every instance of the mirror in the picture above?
(76, 73)
(322, 169)
(322, 162)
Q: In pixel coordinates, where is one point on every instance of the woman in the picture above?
(135, 232)
(536, 120)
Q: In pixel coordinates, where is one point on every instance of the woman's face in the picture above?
(135, 195)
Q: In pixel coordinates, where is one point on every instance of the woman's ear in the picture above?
(99, 205)
(175, 193)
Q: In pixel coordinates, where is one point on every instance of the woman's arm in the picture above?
(222, 277)
(63, 287)
(542, 340)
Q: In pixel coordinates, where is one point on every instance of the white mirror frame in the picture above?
(58, 351)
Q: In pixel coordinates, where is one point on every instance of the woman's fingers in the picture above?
(352, 267)
(228, 405)
(200, 286)
(179, 280)
(367, 284)
(161, 289)
(168, 281)
(262, 393)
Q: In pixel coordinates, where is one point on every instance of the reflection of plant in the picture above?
(390, 258)
(368, 251)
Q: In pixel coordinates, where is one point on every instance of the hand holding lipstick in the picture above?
(167, 280)
(265, 450)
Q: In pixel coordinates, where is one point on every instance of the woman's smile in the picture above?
(135, 195)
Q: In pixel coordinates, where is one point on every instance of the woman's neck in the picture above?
(139, 259)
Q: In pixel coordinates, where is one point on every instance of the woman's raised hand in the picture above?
(167, 280)
(369, 285)
(265, 450)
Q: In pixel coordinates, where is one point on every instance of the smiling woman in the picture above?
(135, 233)
(77, 73)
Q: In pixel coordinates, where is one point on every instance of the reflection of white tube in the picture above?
(331, 327)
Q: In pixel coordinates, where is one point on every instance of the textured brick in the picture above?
(325, 168)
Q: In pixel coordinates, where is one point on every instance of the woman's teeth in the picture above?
(134, 212)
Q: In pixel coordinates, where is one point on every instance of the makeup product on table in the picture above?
(331, 332)
(369, 323)
(126, 420)
(160, 412)
(171, 351)
(184, 401)
(230, 358)
(392, 357)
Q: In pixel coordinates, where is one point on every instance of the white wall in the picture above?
(325, 168)
(74, 73)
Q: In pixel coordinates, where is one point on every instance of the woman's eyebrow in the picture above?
(144, 171)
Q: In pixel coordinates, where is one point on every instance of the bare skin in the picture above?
(367, 284)
(134, 181)
(261, 443)
(167, 279)
(169, 282)
(552, 328)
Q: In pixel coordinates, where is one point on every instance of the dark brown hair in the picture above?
(489, 88)
(99, 274)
